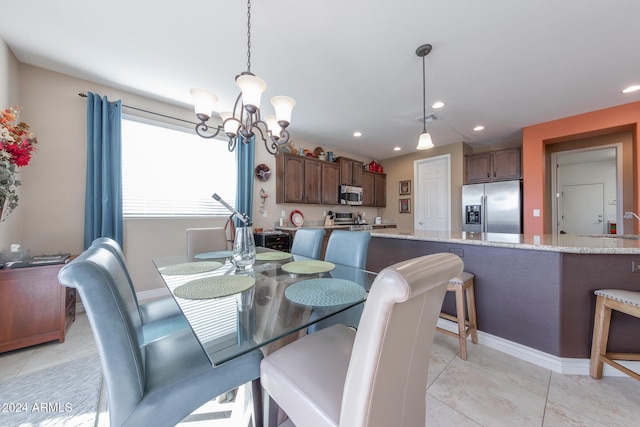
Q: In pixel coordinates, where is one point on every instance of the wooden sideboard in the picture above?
(34, 307)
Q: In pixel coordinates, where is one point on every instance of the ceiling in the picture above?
(351, 65)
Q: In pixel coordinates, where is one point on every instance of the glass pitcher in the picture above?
(244, 248)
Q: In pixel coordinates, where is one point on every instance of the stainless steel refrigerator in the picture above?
(495, 207)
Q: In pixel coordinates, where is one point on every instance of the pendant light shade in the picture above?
(283, 106)
(230, 123)
(424, 142)
(272, 124)
(203, 102)
(252, 88)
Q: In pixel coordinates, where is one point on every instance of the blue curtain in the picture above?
(103, 202)
(245, 155)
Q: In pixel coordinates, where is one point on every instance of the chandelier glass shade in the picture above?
(424, 142)
(245, 121)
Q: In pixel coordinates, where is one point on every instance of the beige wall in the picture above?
(402, 168)
(9, 80)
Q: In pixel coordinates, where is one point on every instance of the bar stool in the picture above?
(463, 285)
(627, 302)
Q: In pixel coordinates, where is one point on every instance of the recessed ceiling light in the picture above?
(631, 89)
(397, 148)
(438, 104)
(357, 134)
(478, 128)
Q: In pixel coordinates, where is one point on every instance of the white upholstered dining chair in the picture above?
(202, 240)
(375, 376)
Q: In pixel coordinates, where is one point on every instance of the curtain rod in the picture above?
(84, 95)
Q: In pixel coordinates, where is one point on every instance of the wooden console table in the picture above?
(34, 307)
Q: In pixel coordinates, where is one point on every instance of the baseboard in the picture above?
(561, 365)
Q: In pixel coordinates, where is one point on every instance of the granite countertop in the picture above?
(333, 227)
(567, 243)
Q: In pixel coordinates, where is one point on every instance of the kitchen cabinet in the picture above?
(374, 189)
(495, 165)
(330, 183)
(351, 171)
(380, 187)
(306, 180)
(34, 307)
(312, 181)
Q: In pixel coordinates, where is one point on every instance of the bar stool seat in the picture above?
(627, 302)
(462, 285)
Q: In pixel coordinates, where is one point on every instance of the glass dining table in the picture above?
(234, 311)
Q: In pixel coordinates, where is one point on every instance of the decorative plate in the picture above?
(296, 218)
(263, 173)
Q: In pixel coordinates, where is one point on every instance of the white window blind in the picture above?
(172, 172)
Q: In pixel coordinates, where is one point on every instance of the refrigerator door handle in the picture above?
(483, 209)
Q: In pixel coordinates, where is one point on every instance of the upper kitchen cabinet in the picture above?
(496, 165)
(330, 183)
(305, 180)
(350, 171)
(374, 189)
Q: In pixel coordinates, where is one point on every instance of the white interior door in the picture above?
(432, 193)
(582, 209)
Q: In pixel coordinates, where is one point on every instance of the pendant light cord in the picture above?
(424, 97)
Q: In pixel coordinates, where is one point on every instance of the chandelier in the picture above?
(424, 142)
(245, 120)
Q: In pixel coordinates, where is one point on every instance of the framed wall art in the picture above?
(405, 187)
(405, 205)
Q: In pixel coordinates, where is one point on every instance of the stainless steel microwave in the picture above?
(350, 195)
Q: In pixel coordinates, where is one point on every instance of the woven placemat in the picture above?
(308, 267)
(190, 268)
(214, 255)
(272, 256)
(214, 287)
(325, 292)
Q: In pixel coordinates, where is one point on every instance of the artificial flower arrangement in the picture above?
(16, 146)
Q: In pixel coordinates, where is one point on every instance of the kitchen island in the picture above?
(535, 291)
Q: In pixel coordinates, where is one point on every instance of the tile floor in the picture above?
(489, 389)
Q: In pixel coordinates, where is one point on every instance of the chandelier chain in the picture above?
(249, 35)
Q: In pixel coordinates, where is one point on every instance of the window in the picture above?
(172, 172)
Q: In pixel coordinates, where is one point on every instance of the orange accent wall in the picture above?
(536, 137)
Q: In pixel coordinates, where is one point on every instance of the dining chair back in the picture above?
(375, 376)
(308, 242)
(349, 248)
(160, 316)
(157, 384)
(201, 240)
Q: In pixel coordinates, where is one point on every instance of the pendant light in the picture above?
(424, 142)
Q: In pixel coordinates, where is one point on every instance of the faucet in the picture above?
(631, 215)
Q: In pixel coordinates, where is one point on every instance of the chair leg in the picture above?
(600, 337)
(471, 307)
(461, 315)
(270, 410)
(256, 398)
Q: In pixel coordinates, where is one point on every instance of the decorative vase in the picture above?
(244, 248)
